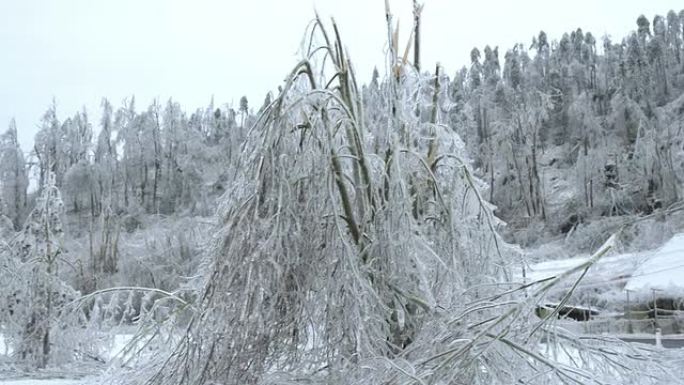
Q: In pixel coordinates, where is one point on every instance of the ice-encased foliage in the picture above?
(34, 294)
(354, 248)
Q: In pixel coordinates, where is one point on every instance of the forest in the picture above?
(347, 233)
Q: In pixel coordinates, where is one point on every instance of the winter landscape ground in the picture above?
(520, 220)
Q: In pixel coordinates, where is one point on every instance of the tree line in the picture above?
(605, 115)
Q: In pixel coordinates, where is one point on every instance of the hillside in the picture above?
(576, 130)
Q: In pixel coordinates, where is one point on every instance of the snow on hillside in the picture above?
(612, 270)
(612, 275)
(663, 270)
(608, 268)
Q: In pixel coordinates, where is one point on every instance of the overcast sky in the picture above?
(82, 50)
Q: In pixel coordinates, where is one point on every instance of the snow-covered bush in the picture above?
(354, 248)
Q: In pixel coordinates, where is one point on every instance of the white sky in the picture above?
(82, 50)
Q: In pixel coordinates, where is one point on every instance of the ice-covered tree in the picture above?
(475, 74)
(674, 37)
(13, 177)
(39, 290)
(244, 110)
(49, 147)
(105, 162)
(644, 28)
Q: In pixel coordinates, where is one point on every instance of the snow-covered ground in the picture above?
(661, 269)
(118, 343)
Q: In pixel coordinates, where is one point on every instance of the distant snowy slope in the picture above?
(614, 268)
(663, 270)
